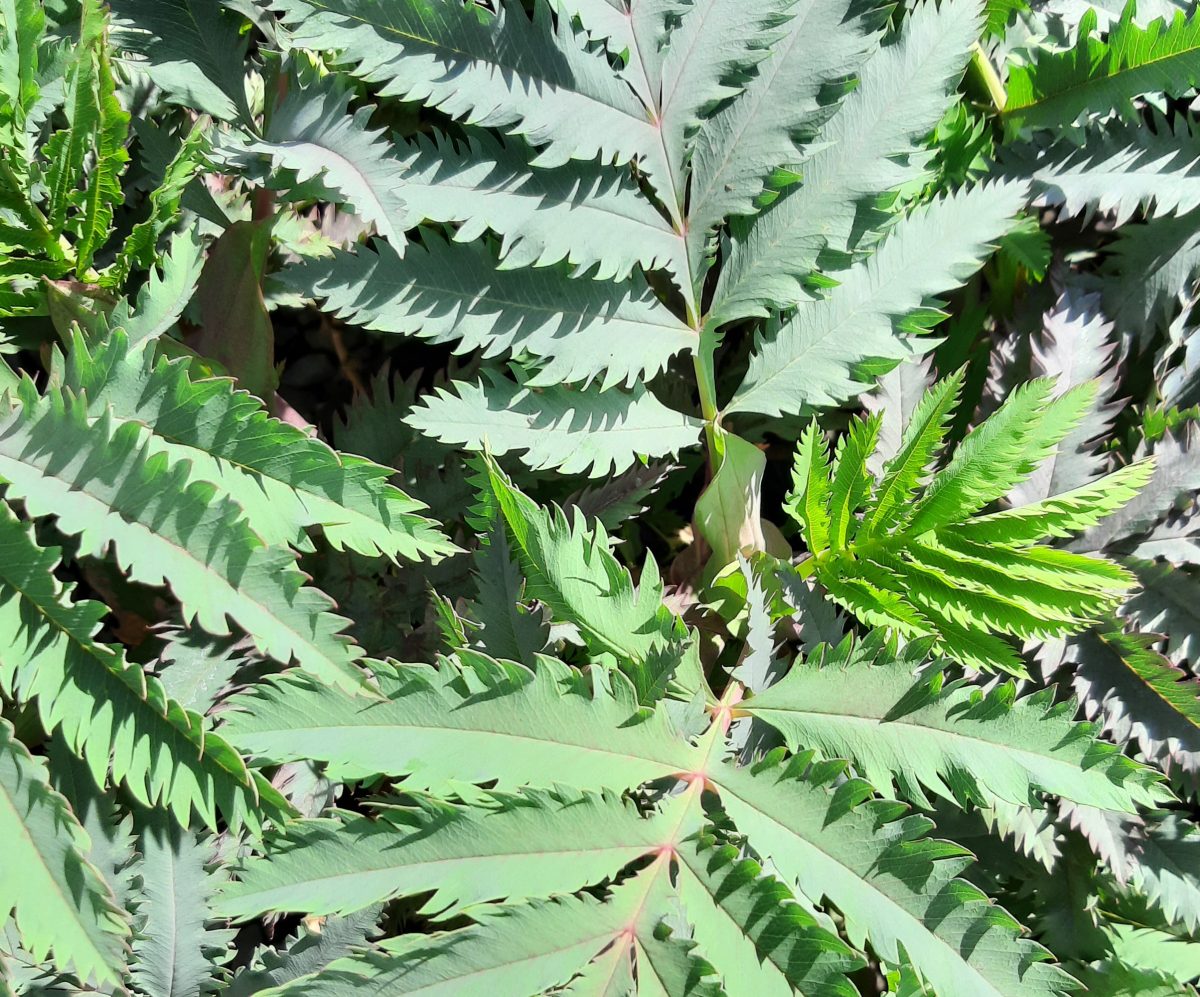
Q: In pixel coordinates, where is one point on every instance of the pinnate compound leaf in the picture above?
(158, 749)
(925, 564)
(587, 431)
(105, 486)
(61, 904)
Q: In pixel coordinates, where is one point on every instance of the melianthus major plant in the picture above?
(573, 290)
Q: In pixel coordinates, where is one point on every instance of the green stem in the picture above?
(706, 381)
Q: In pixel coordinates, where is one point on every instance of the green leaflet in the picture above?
(709, 57)
(165, 295)
(862, 702)
(106, 487)
(309, 952)
(1123, 169)
(61, 904)
(176, 950)
(158, 749)
(792, 92)
(103, 183)
(509, 630)
(589, 215)
(140, 249)
(816, 356)
(614, 333)
(584, 431)
(746, 919)
(868, 147)
(66, 149)
(1137, 694)
(284, 480)
(531, 845)
(922, 563)
(540, 945)
(541, 729)
(1152, 264)
(22, 24)
(1096, 75)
